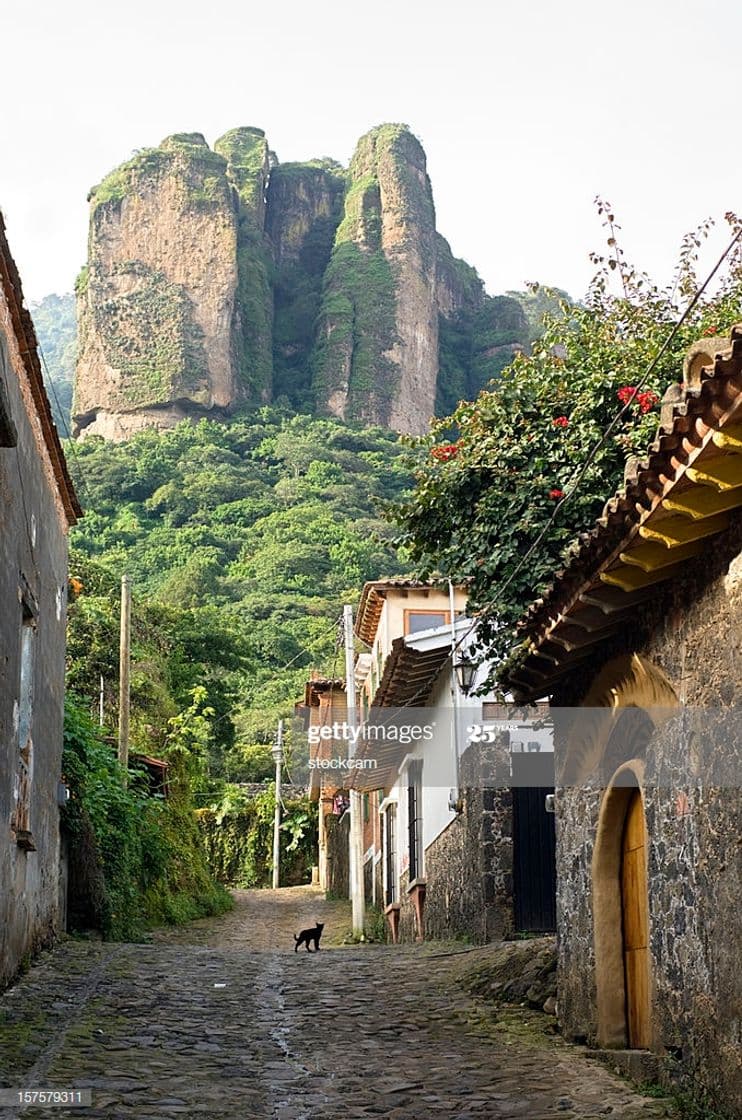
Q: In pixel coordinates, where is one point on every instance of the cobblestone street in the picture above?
(223, 1019)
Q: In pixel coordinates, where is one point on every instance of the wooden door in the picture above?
(534, 861)
(635, 906)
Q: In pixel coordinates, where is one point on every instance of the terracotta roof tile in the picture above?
(690, 479)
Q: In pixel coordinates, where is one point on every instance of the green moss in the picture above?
(357, 328)
(150, 336)
(81, 282)
(118, 182)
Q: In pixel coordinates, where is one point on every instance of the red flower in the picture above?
(626, 394)
(560, 422)
(647, 400)
(711, 330)
(445, 452)
(556, 493)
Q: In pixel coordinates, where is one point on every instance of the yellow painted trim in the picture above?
(630, 578)
(651, 556)
(703, 501)
(730, 438)
(674, 531)
(725, 473)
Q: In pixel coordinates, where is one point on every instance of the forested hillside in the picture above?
(242, 540)
(56, 328)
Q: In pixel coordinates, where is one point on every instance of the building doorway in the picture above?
(635, 922)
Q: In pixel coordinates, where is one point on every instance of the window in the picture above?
(390, 854)
(24, 778)
(25, 700)
(414, 817)
(415, 621)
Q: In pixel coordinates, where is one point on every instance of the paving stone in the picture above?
(358, 1032)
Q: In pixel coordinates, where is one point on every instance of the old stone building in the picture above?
(38, 507)
(637, 643)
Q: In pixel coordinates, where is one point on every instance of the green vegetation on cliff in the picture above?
(247, 157)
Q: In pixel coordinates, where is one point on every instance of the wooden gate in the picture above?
(635, 908)
(534, 861)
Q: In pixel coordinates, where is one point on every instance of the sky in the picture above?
(527, 110)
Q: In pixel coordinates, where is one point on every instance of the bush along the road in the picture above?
(238, 836)
(135, 857)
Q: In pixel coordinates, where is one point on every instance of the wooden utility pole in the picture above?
(124, 673)
(357, 892)
(278, 759)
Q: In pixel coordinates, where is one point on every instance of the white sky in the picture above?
(526, 111)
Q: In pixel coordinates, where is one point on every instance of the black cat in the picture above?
(308, 935)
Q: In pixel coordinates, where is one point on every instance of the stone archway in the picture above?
(617, 997)
(607, 749)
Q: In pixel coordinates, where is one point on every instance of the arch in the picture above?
(610, 977)
(607, 749)
(630, 681)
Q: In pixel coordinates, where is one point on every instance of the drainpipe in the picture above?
(454, 797)
(356, 822)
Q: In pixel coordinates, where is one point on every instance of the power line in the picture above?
(49, 382)
(575, 482)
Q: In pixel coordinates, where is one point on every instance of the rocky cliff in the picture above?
(224, 279)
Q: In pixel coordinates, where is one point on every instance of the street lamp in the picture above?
(466, 672)
(277, 753)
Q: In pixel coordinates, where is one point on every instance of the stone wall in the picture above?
(469, 866)
(690, 636)
(33, 578)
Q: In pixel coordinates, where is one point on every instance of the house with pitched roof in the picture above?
(38, 507)
(638, 645)
(458, 841)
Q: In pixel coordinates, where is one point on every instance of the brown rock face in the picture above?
(156, 305)
(218, 279)
(376, 357)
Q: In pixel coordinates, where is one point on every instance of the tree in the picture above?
(499, 502)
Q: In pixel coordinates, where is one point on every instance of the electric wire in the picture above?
(574, 483)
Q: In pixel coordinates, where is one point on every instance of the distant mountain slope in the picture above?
(56, 329)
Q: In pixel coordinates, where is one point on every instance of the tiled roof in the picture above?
(372, 601)
(28, 346)
(672, 504)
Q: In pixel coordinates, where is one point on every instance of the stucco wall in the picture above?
(33, 555)
(691, 633)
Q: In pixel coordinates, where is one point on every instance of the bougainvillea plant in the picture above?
(480, 503)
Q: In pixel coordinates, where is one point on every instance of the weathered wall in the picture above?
(468, 869)
(33, 562)
(338, 871)
(692, 633)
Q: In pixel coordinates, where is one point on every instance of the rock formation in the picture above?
(224, 279)
(376, 357)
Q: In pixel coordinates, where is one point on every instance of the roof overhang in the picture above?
(685, 493)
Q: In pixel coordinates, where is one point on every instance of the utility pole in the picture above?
(101, 697)
(278, 759)
(356, 823)
(124, 673)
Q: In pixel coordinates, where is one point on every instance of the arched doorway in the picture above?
(608, 749)
(621, 913)
(635, 923)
